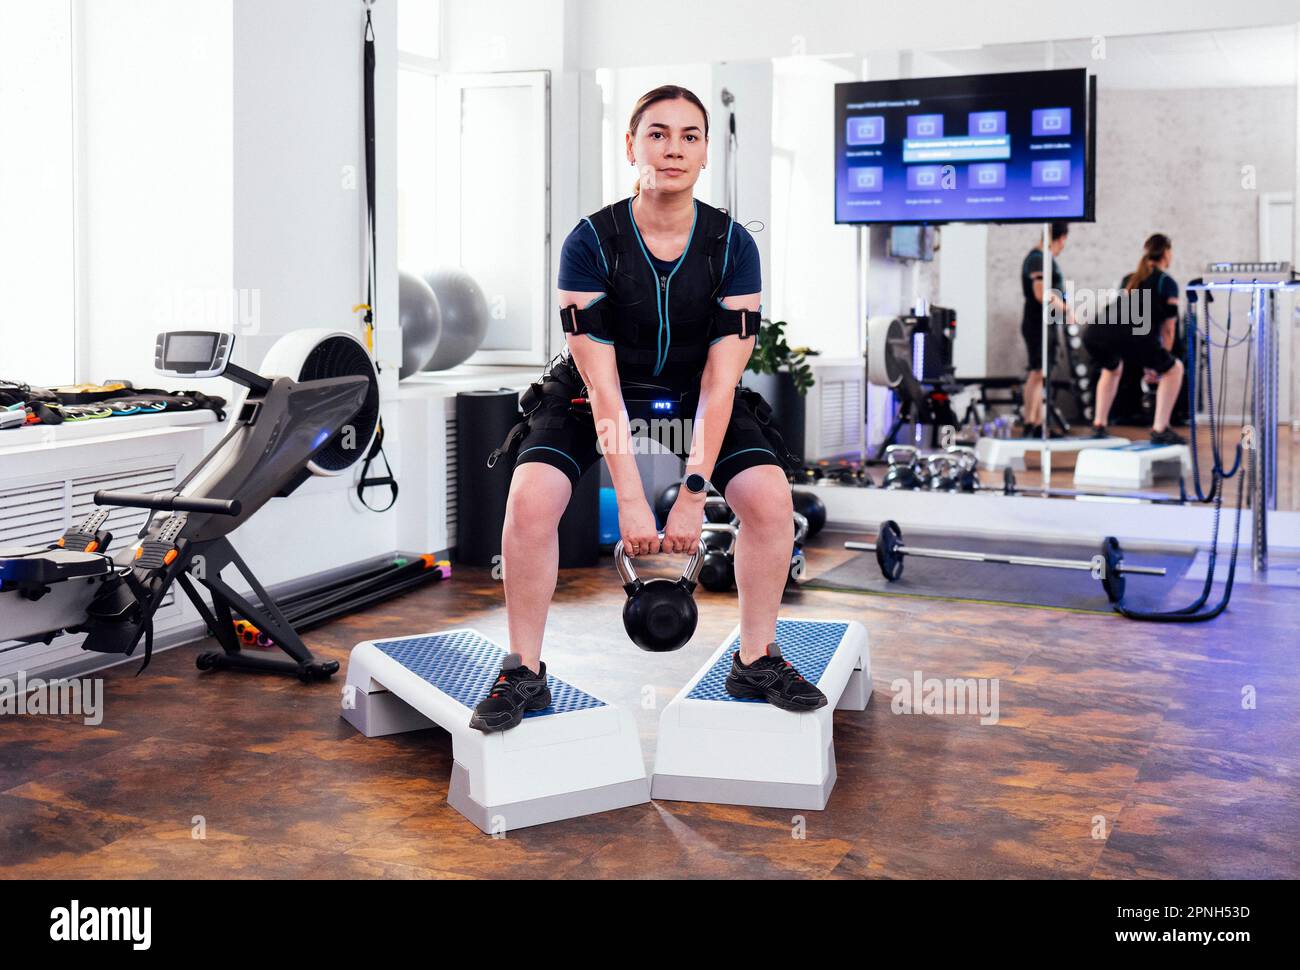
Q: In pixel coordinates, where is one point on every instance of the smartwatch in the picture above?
(696, 484)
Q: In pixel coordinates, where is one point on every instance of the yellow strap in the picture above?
(370, 328)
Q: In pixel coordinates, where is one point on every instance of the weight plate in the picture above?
(889, 550)
(1112, 576)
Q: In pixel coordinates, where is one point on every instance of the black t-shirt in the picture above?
(1033, 265)
(1163, 289)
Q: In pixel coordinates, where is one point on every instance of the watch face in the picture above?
(695, 483)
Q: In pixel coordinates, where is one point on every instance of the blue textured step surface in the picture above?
(808, 644)
(463, 665)
(1140, 446)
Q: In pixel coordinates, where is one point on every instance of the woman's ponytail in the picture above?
(1153, 251)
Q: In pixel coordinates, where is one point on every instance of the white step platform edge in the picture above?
(578, 757)
(715, 748)
(996, 454)
(1137, 465)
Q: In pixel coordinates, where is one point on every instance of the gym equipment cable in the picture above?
(1195, 612)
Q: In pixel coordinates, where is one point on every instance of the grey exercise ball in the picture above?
(464, 316)
(420, 319)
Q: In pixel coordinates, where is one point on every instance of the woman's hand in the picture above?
(637, 524)
(682, 533)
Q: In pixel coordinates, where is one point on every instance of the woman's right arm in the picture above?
(598, 366)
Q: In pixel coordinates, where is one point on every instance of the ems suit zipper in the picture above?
(663, 291)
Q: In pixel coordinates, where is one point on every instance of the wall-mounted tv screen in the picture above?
(978, 148)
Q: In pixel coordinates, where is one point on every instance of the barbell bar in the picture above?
(1107, 566)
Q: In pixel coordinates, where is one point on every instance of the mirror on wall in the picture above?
(1195, 140)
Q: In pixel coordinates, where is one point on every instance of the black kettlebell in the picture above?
(902, 476)
(903, 468)
(811, 508)
(660, 614)
(718, 573)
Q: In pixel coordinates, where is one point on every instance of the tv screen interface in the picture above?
(979, 148)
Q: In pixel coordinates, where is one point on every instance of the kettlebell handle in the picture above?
(627, 572)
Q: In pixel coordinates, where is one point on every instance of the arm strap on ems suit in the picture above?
(742, 323)
(592, 321)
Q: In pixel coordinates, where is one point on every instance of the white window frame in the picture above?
(449, 196)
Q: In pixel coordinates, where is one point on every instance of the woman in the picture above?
(1139, 330)
(659, 302)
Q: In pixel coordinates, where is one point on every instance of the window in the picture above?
(37, 195)
(473, 184)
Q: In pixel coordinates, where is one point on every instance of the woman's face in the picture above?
(669, 147)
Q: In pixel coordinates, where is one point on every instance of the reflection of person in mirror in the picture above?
(1139, 330)
(659, 297)
(1031, 323)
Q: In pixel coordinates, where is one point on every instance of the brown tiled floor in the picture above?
(1122, 750)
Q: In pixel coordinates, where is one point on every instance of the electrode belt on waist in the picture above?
(696, 353)
(647, 401)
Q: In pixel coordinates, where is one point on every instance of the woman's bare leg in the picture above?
(761, 498)
(530, 549)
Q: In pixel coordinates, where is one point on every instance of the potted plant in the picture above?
(781, 374)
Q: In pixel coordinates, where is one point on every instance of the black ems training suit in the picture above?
(661, 325)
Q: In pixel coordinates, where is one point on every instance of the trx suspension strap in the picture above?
(377, 446)
(376, 451)
(368, 46)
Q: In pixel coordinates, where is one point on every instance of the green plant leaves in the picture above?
(772, 353)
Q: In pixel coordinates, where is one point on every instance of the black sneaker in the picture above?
(1167, 437)
(516, 690)
(1099, 431)
(772, 678)
(1031, 431)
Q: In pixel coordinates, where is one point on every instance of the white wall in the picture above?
(507, 35)
(299, 236)
(964, 273)
(752, 84)
(686, 31)
(811, 270)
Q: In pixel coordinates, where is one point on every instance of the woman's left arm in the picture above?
(726, 362)
(727, 359)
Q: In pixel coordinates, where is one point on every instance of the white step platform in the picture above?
(577, 757)
(715, 748)
(1137, 465)
(996, 454)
